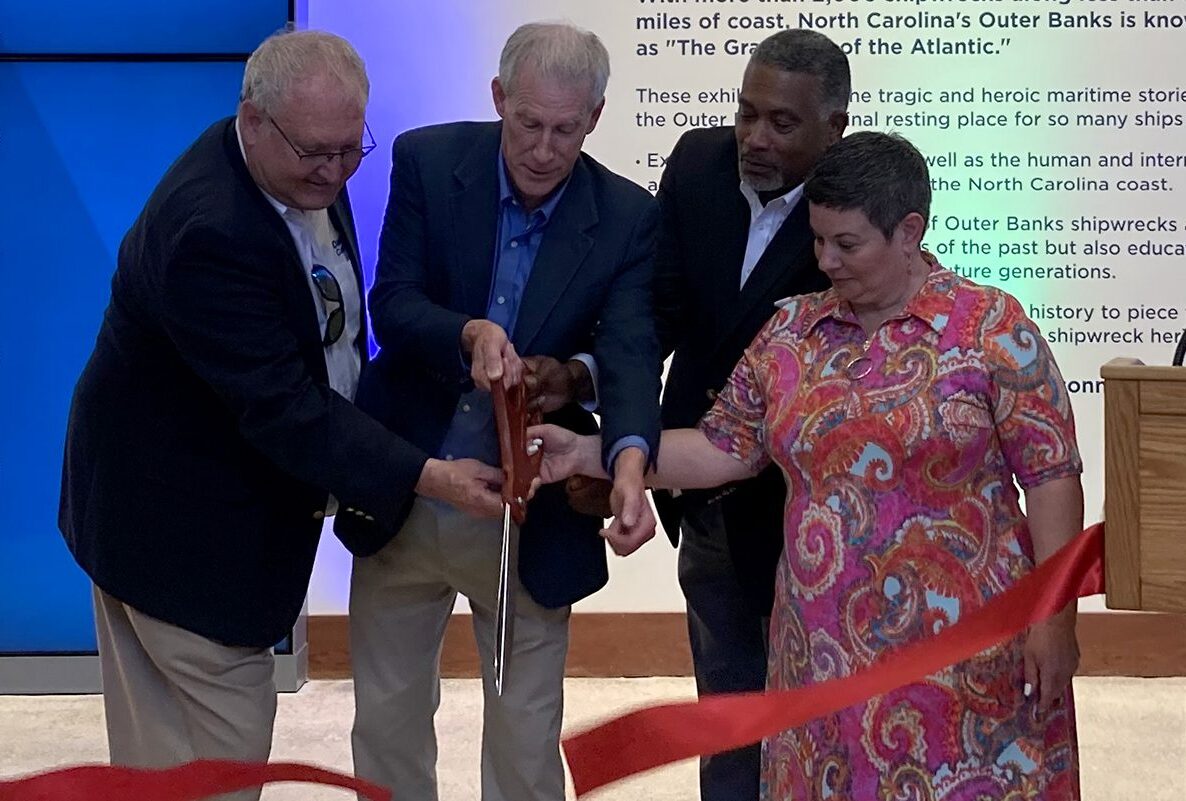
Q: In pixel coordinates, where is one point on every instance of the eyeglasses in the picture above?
(351, 156)
(331, 292)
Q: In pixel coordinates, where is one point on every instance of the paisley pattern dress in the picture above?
(900, 452)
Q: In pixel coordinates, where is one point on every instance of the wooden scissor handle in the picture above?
(511, 419)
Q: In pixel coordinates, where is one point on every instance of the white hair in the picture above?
(560, 51)
(289, 57)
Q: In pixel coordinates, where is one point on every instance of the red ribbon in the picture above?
(651, 737)
(188, 782)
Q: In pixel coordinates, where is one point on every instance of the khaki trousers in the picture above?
(400, 601)
(172, 696)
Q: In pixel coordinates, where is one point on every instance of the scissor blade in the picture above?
(504, 615)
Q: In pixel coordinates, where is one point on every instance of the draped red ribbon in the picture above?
(654, 736)
(651, 737)
(189, 782)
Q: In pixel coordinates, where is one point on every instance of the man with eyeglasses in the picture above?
(213, 428)
(503, 241)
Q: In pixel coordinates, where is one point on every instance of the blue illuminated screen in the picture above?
(86, 144)
(138, 26)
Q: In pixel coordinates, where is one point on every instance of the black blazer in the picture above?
(707, 320)
(203, 438)
(589, 290)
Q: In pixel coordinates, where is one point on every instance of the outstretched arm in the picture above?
(688, 459)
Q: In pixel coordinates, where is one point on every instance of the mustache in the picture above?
(749, 161)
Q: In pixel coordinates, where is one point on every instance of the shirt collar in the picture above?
(932, 304)
(755, 203)
(276, 204)
(935, 301)
(506, 192)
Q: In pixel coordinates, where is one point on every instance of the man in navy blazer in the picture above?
(502, 239)
(212, 430)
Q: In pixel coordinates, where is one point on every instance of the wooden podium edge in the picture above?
(1126, 370)
(1122, 502)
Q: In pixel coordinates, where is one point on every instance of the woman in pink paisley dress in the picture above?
(905, 406)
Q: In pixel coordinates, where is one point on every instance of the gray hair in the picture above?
(289, 57)
(557, 50)
(881, 174)
(810, 52)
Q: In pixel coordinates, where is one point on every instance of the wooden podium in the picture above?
(1145, 486)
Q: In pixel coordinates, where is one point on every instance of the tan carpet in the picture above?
(1132, 735)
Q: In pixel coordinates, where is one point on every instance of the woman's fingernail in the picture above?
(1028, 690)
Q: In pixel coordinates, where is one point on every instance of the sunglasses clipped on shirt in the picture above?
(331, 292)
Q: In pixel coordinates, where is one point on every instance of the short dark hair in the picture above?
(810, 52)
(881, 174)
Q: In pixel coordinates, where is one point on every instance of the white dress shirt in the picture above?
(319, 243)
(764, 222)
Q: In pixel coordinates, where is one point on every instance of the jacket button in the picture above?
(711, 394)
(319, 515)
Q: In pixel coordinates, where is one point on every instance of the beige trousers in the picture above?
(400, 601)
(172, 696)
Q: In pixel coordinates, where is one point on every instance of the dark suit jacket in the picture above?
(590, 289)
(203, 438)
(708, 320)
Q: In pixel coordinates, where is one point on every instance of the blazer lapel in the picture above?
(783, 257)
(725, 236)
(734, 236)
(566, 243)
(474, 206)
(266, 210)
(734, 233)
(343, 221)
(296, 281)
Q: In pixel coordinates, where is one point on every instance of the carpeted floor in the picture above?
(1132, 735)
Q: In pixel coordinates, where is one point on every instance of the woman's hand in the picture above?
(1055, 512)
(565, 453)
(1051, 658)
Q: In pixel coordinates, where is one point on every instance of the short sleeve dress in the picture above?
(902, 453)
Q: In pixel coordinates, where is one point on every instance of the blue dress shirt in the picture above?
(471, 433)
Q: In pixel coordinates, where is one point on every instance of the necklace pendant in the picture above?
(858, 368)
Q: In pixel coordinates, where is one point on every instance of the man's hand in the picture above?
(634, 522)
(1051, 658)
(624, 539)
(565, 453)
(469, 485)
(552, 384)
(491, 354)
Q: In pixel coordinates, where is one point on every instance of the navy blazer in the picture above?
(708, 320)
(589, 290)
(204, 439)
